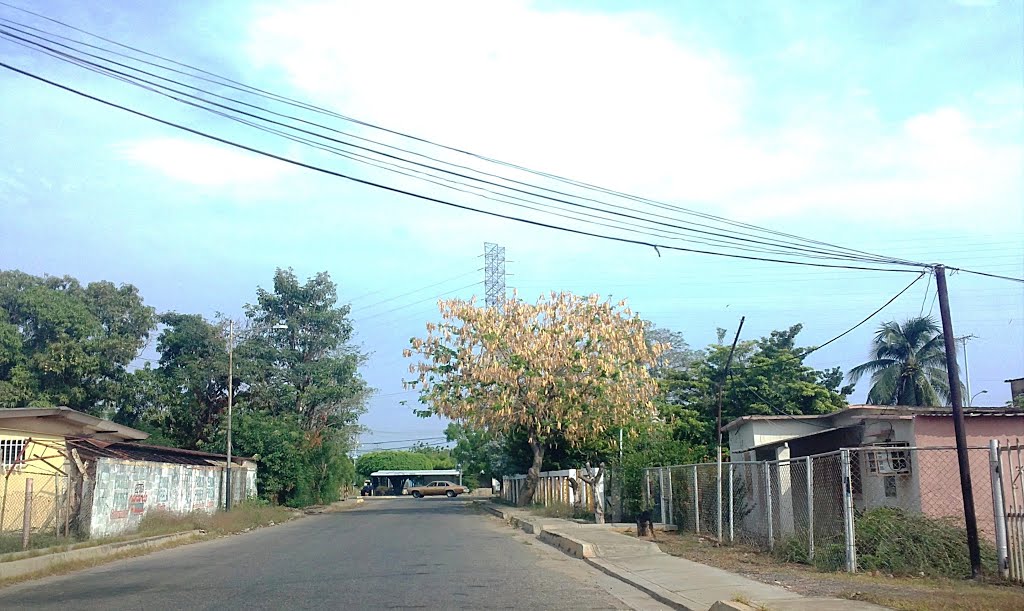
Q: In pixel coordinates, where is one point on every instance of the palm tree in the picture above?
(909, 365)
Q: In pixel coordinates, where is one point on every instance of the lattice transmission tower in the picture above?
(494, 275)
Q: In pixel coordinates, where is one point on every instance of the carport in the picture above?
(399, 481)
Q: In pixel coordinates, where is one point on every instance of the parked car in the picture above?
(367, 490)
(438, 488)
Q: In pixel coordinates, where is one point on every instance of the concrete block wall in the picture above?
(125, 490)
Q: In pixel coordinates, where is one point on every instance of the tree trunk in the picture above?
(533, 474)
(595, 478)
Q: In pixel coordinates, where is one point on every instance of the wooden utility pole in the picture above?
(718, 422)
(231, 396)
(956, 399)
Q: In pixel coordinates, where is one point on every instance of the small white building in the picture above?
(398, 482)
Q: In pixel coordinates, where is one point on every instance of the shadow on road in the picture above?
(438, 505)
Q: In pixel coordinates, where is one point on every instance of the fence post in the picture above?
(56, 507)
(810, 508)
(696, 502)
(768, 504)
(670, 518)
(67, 506)
(731, 535)
(26, 522)
(661, 493)
(998, 508)
(851, 543)
(647, 489)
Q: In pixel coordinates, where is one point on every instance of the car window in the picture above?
(442, 484)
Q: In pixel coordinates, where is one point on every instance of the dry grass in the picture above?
(61, 568)
(905, 594)
(243, 518)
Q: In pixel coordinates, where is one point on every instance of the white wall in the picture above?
(125, 490)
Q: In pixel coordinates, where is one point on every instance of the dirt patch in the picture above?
(899, 593)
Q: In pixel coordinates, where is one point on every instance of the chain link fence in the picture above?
(892, 508)
(36, 505)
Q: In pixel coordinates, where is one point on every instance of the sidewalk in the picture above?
(677, 582)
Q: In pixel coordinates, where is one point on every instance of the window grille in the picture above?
(12, 453)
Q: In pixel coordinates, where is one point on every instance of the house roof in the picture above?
(93, 448)
(415, 473)
(66, 422)
(877, 412)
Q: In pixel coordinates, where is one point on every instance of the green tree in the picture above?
(908, 365)
(479, 452)
(440, 458)
(297, 356)
(185, 397)
(392, 460)
(62, 343)
(767, 376)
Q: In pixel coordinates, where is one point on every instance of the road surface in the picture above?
(433, 553)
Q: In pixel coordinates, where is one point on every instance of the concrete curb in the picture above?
(650, 588)
(17, 568)
(573, 547)
(730, 605)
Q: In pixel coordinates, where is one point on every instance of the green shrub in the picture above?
(830, 557)
(897, 542)
(793, 549)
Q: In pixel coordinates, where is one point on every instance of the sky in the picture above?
(888, 127)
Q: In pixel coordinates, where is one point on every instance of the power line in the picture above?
(381, 290)
(805, 354)
(248, 89)
(408, 305)
(434, 438)
(136, 81)
(422, 288)
(968, 271)
(831, 253)
(654, 245)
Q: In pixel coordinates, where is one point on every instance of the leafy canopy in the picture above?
(569, 366)
(62, 343)
(908, 365)
(393, 460)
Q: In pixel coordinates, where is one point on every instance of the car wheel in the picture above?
(417, 494)
(450, 494)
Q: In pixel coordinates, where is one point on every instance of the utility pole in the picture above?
(718, 427)
(966, 489)
(967, 371)
(231, 396)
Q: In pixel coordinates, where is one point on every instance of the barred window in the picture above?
(889, 459)
(12, 453)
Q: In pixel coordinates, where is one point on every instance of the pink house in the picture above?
(900, 456)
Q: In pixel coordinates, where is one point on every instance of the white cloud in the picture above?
(202, 164)
(621, 100)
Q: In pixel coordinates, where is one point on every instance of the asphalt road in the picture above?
(431, 553)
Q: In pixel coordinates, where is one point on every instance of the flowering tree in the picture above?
(568, 366)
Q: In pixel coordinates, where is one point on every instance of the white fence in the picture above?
(553, 488)
(1008, 505)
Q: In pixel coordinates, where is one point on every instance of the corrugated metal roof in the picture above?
(91, 448)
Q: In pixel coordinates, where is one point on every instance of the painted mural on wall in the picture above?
(126, 490)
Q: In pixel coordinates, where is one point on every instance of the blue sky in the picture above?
(890, 127)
